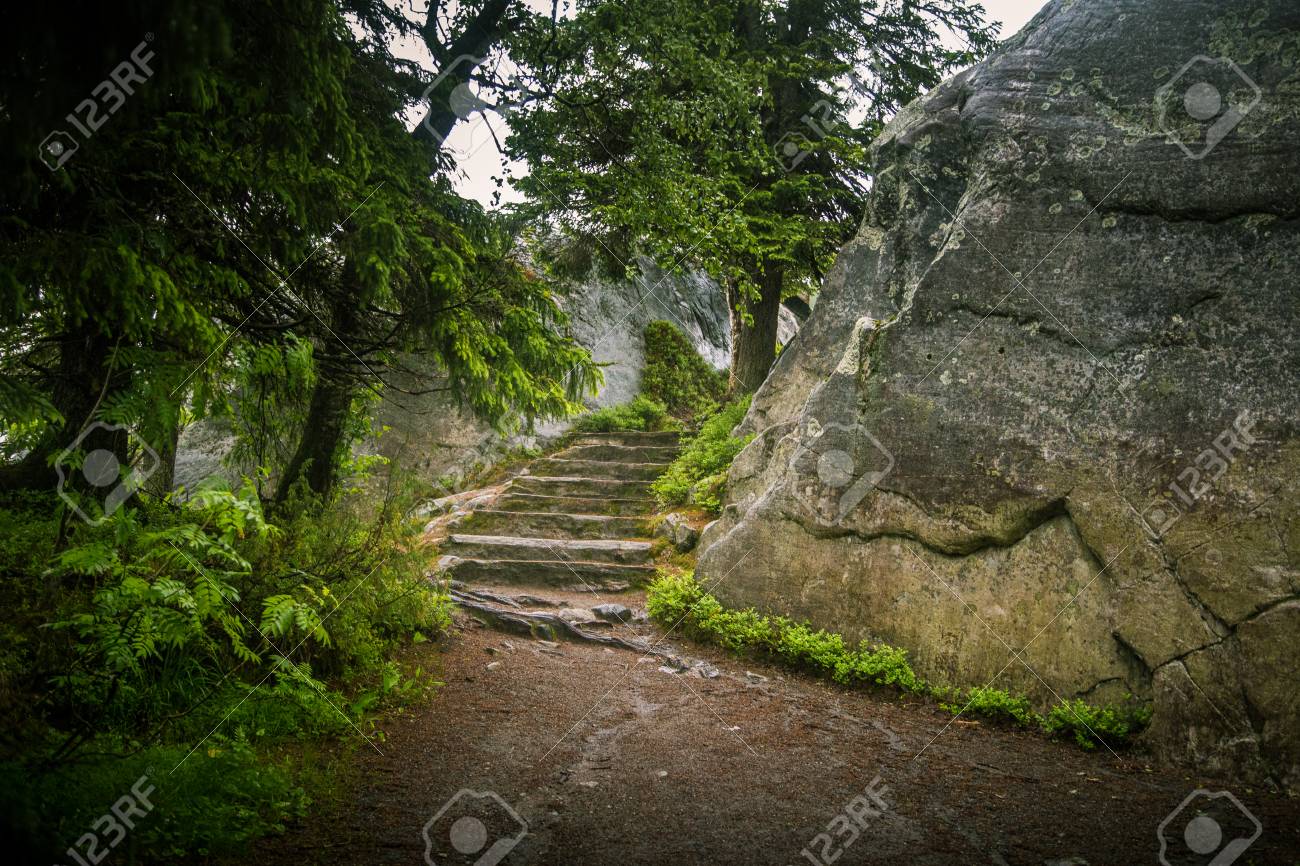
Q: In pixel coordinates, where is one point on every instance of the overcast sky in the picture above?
(482, 161)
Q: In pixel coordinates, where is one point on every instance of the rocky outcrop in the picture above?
(1041, 427)
(609, 317)
(438, 439)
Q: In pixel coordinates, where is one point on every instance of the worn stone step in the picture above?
(566, 468)
(522, 572)
(541, 524)
(514, 500)
(542, 549)
(666, 438)
(607, 452)
(588, 488)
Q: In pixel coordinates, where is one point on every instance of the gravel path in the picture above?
(600, 756)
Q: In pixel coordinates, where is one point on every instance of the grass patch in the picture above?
(642, 414)
(679, 600)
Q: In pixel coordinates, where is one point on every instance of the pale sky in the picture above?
(481, 161)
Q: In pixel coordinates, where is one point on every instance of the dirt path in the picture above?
(608, 757)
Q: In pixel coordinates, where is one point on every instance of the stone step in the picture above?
(541, 524)
(586, 488)
(666, 438)
(564, 467)
(543, 549)
(606, 452)
(522, 572)
(516, 501)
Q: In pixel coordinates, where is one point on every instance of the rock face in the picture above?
(440, 440)
(676, 530)
(609, 317)
(1047, 399)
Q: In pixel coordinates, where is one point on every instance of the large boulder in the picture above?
(1047, 401)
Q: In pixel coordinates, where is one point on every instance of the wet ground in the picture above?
(574, 753)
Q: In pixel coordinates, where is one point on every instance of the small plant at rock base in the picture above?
(1090, 725)
(884, 665)
(678, 600)
(992, 703)
(671, 599)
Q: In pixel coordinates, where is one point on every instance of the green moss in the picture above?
(678, 388)
(678, 601)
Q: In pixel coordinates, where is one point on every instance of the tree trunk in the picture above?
(75, 391)
(323, 436)
(457, 61)
(753, 347)
(160, 483)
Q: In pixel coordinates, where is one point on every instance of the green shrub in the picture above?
(993, 703)
(671, 596)
(1091, 725)
(678, 601)
(881, 664)
(167, 625)
(677, 377)
(698, 475)
(642, 414)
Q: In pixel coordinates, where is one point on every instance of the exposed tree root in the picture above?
(547, 625)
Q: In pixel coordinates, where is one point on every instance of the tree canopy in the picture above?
(258, 197)
(728, 136)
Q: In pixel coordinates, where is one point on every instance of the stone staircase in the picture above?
(576, 519)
